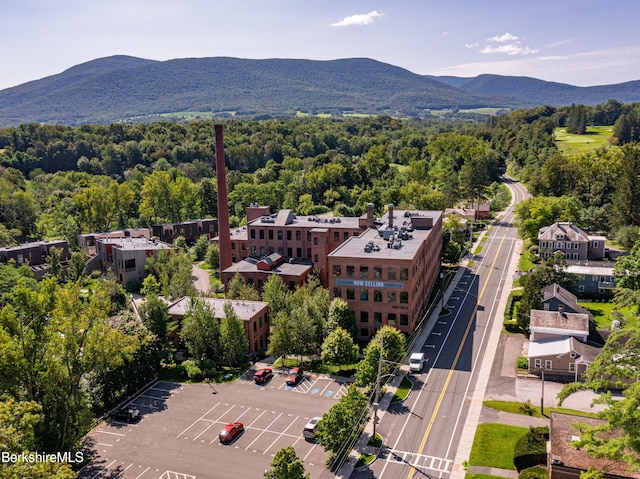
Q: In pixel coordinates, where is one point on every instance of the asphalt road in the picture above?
(177, 437)
(422, 435)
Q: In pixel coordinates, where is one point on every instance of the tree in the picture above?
(626, 196)
(577, 120)
(534, 213)
(233, 338)
(275, 293)
(340, 427)
(237, 288)
(286, 465)
(201, 247)
(393, 351)
(200, 331)
(54, 263)
(338, 348)
(280, 337)
(341, 316)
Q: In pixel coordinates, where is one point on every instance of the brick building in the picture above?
(190, 230)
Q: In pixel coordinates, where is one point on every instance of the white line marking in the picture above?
(192, 424)
(142, 473)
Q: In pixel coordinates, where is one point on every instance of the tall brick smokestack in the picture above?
(224, 232)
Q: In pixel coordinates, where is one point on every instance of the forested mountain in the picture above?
(540, 92)
(122, 88)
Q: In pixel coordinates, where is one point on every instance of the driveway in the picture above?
(200, 278)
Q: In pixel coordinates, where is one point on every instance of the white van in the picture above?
(415, 362)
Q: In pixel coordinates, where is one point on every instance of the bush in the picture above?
(534, 473)
(192, 369)
(522, 363)
(531, 449)
(526, 408)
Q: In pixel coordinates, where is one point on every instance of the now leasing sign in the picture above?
(370, 284)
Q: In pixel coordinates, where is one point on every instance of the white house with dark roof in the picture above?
(574, 242)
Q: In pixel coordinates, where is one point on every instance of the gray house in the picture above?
(593, 277)
(572, 241)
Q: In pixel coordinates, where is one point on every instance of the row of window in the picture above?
(393, 319)
(548, 365)
(363, 272)
(564, 244)
(363, 295)
(279, 234)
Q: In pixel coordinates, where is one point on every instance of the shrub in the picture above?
(522, 363)
(526, 408)
(534, 473)
(531, 449)
(192, 369)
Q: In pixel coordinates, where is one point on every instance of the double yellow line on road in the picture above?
(455, 361)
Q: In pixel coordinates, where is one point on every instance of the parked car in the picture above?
(295, 376)
(126, 414)
(230, 432)
(309, 431)
(263, 375)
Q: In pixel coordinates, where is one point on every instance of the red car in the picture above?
(263, 375)
(295, 376)
(230, 432)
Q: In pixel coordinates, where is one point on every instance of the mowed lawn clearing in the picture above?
(494, 444)
(596, 136)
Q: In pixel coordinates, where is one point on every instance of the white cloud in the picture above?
(507, 37)
(361, 19)
(514, 48)
(471, 45)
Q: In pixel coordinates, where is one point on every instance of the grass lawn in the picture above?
(515, 408)
(493, 445)
(602, 314)
(596, 136)
(403, 390)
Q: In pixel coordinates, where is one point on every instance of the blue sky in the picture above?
(580, 42)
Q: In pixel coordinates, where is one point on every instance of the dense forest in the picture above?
(57, 182)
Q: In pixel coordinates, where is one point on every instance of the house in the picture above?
(557, 298)
(594, 278)
(254, 315)
(126, 257)
(87, 242)
(572, 241)
(190, 230)
(256, 272)
(35, 255)
(560, 358)
(546, 324)
(565, 461)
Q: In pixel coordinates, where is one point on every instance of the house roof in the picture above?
(561, 346)
(599, 268)
(245, 310)
(569, 231)
(564, 323)
(564, 296)
(562, 431)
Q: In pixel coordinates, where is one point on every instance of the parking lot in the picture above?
(177, 435)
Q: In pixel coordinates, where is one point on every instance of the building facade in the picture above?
(571, 240)
(190, 230)
(127, 257)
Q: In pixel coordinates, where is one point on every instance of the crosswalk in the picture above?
(419, 461)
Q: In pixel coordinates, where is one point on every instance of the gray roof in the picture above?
(570, 231)
(566, 297)
(563, 345)
(578, 322)
(245, 310)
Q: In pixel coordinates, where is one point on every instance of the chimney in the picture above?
(370, 216)
(390, 215)
(224, 231)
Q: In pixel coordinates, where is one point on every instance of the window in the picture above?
(377, 317)
(377, 296)
(404, 274)
(364, 316)
(572, 367)
(351, 294)
(377, 272)
(261, 234)
(315, 258)
(289, 235)
(346, 235)
(364, 332)
(260, 322)
(391, 319)
(404, 320)
(364, 272)
(315, 241)
(548, 364)
(252, 234)
(336, 236)
(233, 246)
(308, 235)
(391, 297)
(271, 250)
(129, 264)
(337, 270)
(271, 234)
(404, 297)
(243, 246)
(595, 244)
(576, 245)
(255, 327)
(391, 273)
(351, 271)
(253, 251)
(298, 235)
(537, 363)
(337, 292)
(279, 234)
(364, 295)
(581, 288)
(573, 355)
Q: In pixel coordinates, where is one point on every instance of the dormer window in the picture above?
(561, 236)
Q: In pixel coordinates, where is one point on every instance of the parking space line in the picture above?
(260, 435)
(104, 444)
(284, 433)
(97, 474)
(142, 473)
(325, 388)
(193, 423)
(107, 432)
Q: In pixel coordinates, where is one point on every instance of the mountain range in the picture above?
(130, 89)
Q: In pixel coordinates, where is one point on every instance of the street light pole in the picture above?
(377, 386)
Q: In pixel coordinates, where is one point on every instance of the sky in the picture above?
(579, 42)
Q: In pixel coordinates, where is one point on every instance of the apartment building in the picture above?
(572, 241)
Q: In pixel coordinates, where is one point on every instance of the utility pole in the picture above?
(542, 397)
(377, 387)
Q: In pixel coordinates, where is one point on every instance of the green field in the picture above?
(493, 445)
(601, 312)
(596, 136)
